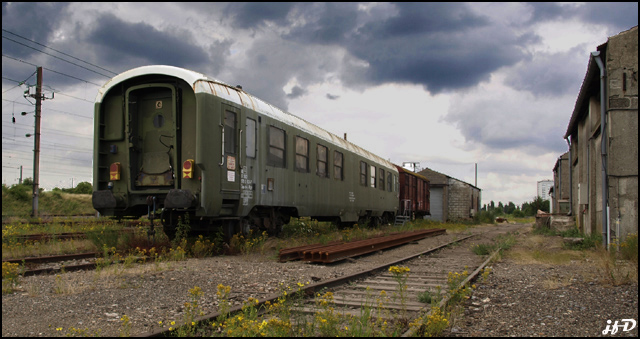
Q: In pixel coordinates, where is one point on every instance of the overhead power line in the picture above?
(19, 82)
(63, 53)
(57, 57)
(50, 70)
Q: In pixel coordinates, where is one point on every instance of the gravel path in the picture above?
(92, 303)
(532, 299)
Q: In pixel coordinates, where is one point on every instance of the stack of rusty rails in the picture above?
(295, 253)
(329, 254)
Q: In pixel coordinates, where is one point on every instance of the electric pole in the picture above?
(36, 150)
(36, 144)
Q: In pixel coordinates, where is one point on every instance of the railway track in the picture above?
(375, 291)
(56, 263)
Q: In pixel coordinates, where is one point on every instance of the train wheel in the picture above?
(169, 223)
(375, 222)
(229, 228)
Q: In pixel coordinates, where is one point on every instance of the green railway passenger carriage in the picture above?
(170, 141)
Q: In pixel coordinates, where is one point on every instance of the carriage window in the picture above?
(322, 162)
(363, 173)
(381, 179)
(251, 138)
(302, 155)
(277, 143)
(389, 187)
(337, 165)
(229, 132)
(373, 176)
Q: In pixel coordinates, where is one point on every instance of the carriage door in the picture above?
(151, 111)
(230, 181)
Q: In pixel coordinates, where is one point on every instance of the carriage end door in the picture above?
(230, 172)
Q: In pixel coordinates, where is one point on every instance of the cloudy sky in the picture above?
(447, 85)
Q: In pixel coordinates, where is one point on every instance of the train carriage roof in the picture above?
(204, 84)
(404, 170)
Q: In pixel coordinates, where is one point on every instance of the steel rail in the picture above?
(52, 258)
(412, 330)
(340, 252)
(310, 289)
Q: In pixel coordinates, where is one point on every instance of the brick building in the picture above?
(451, 199)
(603, 137)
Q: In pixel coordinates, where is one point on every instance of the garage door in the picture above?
(436, 205)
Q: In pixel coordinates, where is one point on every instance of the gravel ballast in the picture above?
(512, 301)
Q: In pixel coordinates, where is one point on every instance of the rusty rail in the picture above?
(339, 251)
(52, 258)
(293, 253)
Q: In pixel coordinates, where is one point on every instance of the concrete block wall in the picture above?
(459, 199)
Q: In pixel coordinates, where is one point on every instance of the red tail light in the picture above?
(114, 171)
(187, 169)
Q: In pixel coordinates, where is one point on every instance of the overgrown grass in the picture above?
(502, 242)
(280, 318)
(615, 266)
(17, 202)
(589, 240)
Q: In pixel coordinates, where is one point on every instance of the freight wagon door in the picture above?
(230, 181)
(151, 112)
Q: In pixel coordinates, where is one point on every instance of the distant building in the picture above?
(451, 199)
(543, 189)
(603, 136)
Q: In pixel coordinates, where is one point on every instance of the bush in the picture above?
(483, 249)
(84, 188)
(485, 217)
(20, 192)
(629, 248)
(306, 227)
(518, 214)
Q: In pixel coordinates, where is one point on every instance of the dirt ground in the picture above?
(538, 288)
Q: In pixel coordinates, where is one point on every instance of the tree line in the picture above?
(527, 209)
(23, 191)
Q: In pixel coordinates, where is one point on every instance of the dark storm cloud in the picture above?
(618, 16)
(440, 46)
(547, 11)
(218, 54)
(272, 63)
(332, 97)
(32, 20)
(296, 92)
(506, 119)
(124, 43)
(325, 23)
(250, 15)
(547, 74)
(419, 18)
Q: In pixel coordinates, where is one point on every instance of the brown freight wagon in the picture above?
(414, 194)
